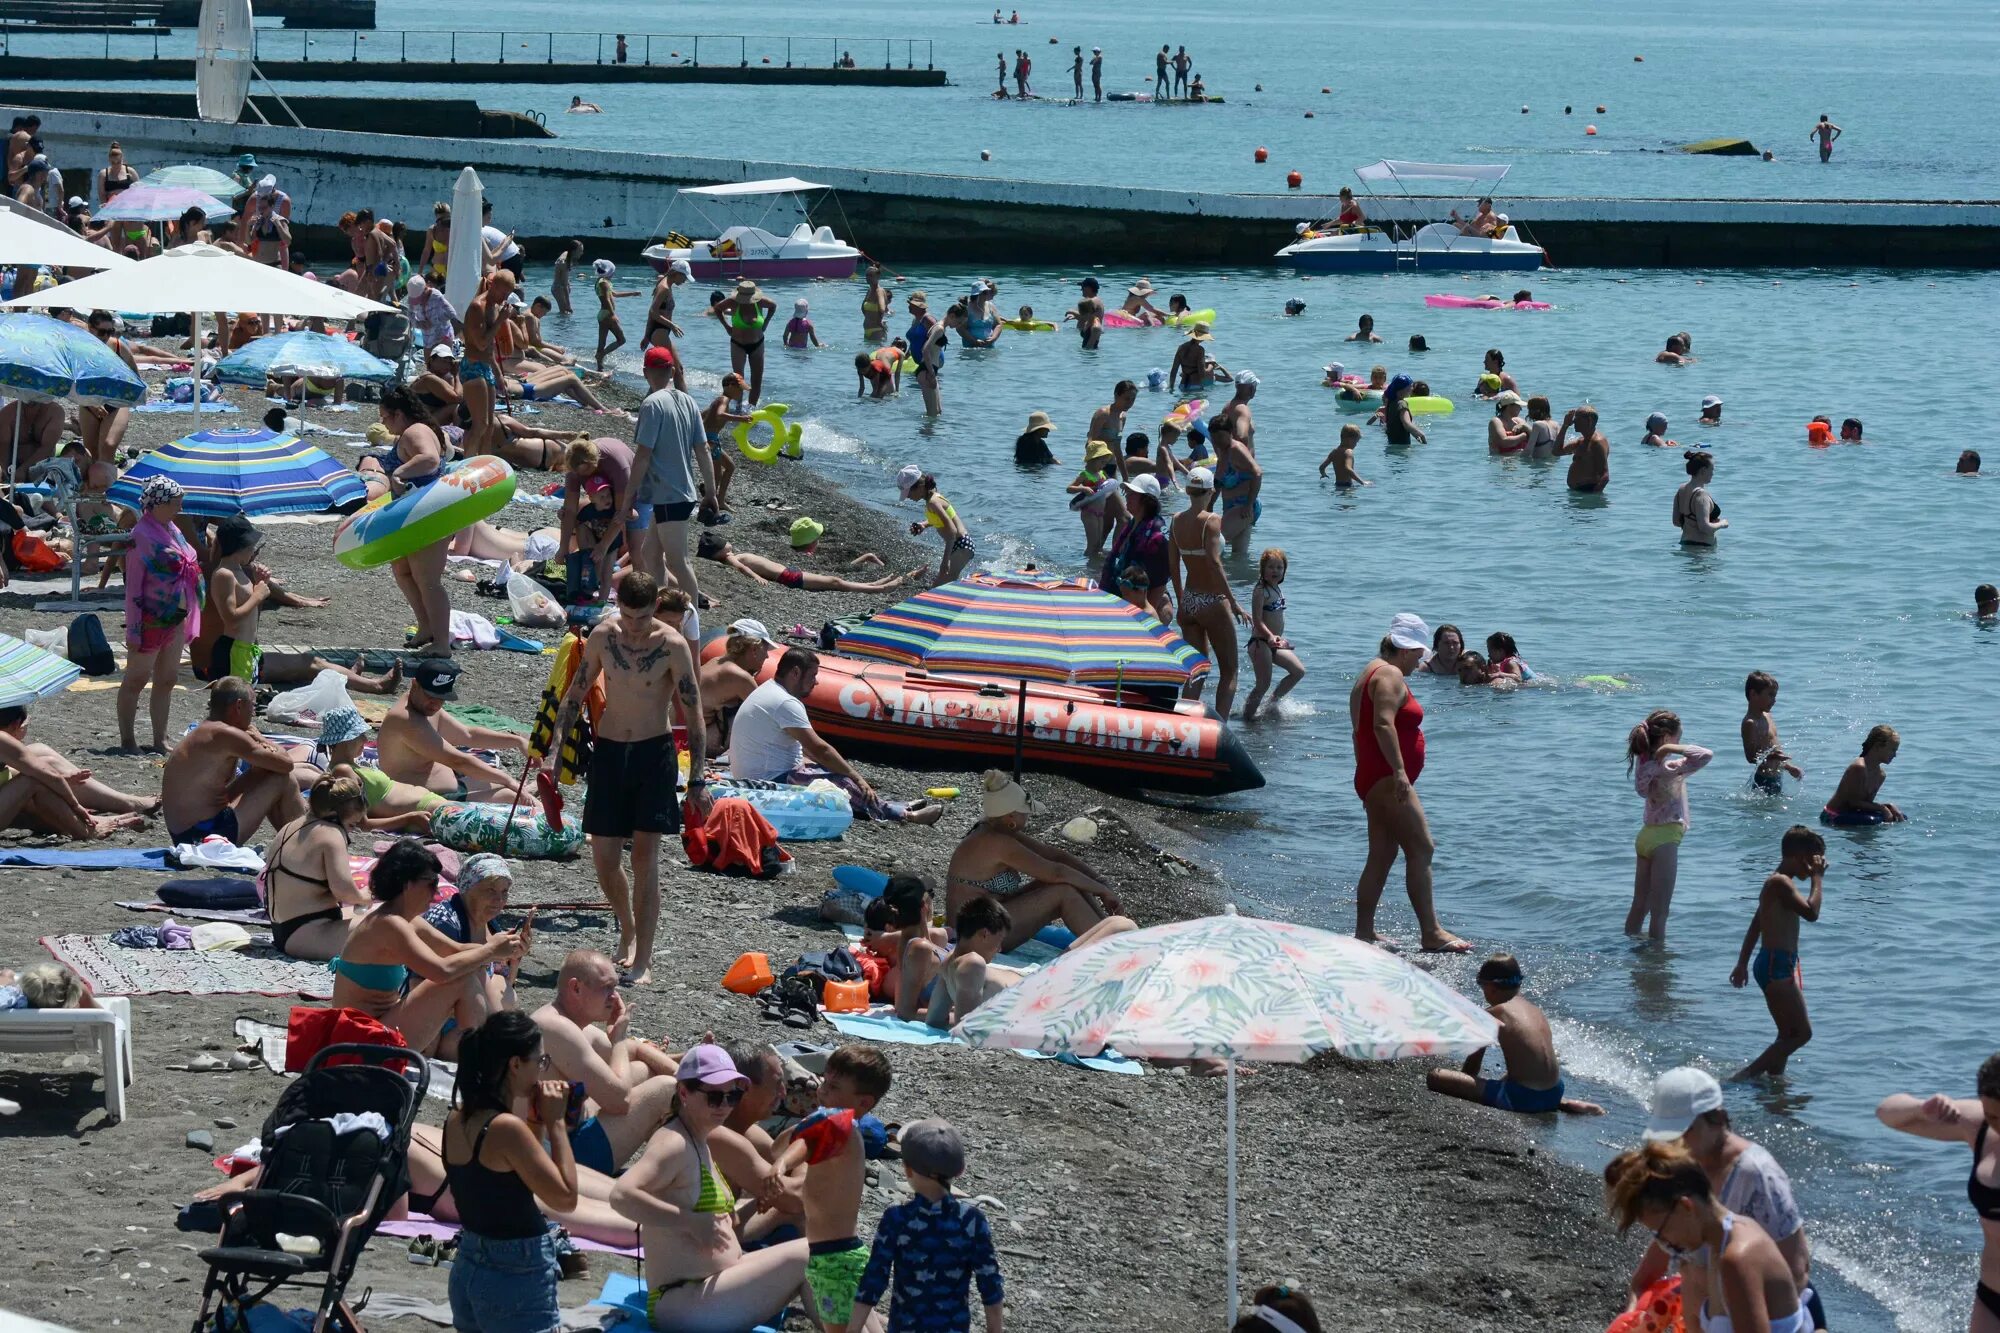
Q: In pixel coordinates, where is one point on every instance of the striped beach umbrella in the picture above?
(189, 176)
(319, 356)
(251, 471)
(1034, 626)
(28, 673)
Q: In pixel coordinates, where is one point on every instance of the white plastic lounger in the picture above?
(106, 1031)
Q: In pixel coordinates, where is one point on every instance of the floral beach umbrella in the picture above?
(1232, 988)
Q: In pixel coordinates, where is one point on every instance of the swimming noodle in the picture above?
(1443, 302)
(389, 529)
(1028, 325)
(1833, 818)
(784, 435)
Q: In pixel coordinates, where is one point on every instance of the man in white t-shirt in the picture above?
(772, 739)
(1687, 1105)
(501, 249)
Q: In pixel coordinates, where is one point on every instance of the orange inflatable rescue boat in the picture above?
(967, 722)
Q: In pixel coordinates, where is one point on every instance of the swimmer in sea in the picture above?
(1853, 801)
(1139, 303)
(1968, 463)
(1589, 454)
(1676, 353)
(1495, 363)
(1505, 431)
(1418, 343)
(1826, 132)
(1696, 513)
(1774, 933)
(1986, 602)
(1341, 459)
(1711, 411)
(1534, 1082)
(1656, 432)
(1760, 733)
(1192, 368)
(1541, 430)
(1364, 331)
(579, 107)
(1850, 431)
(1089, 314)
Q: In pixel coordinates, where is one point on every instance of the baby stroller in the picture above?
(322, 1191)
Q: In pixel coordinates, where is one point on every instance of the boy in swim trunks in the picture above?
(1780, 908)
(725, 410)
(1760, 734)
(1534, 1083)
(970, 977)
(1853, 801)
(836, 1163)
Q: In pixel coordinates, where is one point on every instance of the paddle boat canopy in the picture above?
(1388, 246)
(750, 250)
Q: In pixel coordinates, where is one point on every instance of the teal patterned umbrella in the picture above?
(187, 175)
(28, 673)
(1232, 988)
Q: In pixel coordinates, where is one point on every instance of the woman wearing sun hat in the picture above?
(1388, 725)
(1031, 446)
(746, 313)
(1506, 433)
(163, 596)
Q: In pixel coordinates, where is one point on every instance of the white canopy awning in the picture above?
(1460, 173)
(41, 240)
(202, 278)
(743, 189)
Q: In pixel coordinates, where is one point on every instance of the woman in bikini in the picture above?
(434, 258)
(1208, 609)
(307, 881)
(875, 308)
(698, 1278)
(745, 315)
(610, 333)
(1388, 726)
(1036, 881)
(391, 941)
(116, 175)
(1976, 1123)
(913, 483)
(418, 457)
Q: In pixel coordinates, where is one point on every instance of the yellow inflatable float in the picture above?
(784, 435)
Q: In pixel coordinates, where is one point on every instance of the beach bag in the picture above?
(474, 826)
(308, 1031)
(306, 705)
(30, 554)
(531, 604)
(88, 647)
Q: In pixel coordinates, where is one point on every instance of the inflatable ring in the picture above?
(390, 528)
(1192, 317)
(784, 435)
(1028, 325)
(1185, 413)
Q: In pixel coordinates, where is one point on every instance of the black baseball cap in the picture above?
(438, 677)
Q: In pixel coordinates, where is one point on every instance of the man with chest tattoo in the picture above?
(647, 668)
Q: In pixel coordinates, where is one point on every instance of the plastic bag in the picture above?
(532, 604)
(306, 705)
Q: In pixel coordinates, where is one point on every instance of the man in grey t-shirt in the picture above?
(669, 449)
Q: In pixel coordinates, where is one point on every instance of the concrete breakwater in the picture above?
(616, 200)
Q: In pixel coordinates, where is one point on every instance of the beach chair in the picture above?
(105, 1031)
(323, 1190)
(391, 340)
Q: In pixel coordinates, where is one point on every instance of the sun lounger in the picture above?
(106, 1031)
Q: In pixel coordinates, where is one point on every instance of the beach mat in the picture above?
(423, 1224)
(626, 1294)
(881, 1024)
(97, 858)
(387, 1305)
(112, 969)
(242, 916)
(270, 1039)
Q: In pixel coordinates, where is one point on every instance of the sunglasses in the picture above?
(720, 1099)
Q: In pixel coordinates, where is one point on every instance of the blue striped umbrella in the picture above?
(251, 471)
(319, 356)
(28, 673)
(208, 180)
(47, 359)
(1032, 625)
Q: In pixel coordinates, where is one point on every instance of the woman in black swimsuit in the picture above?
(116, 177)
(1976, 1122)
(308, 878)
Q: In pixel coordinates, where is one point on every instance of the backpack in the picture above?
(88, 647)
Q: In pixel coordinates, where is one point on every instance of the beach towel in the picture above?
(257, 970)
(96, 858)
(881, 1024)
(387, 1305)
(626, 1294)
(242, 916)
(423, 1224)
(480, 715)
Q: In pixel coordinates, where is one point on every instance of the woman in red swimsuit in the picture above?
(1388, 725)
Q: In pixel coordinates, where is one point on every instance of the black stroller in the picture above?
(324, 1192)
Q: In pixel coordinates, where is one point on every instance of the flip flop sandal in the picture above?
(206, 1064)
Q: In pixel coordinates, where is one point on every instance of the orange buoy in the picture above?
(1590, 129)
(1262, 155)
(1294, 180)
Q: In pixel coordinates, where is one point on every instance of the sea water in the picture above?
(1846, 572)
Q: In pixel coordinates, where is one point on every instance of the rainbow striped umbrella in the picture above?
(1035, 626)
(251, 471)
(28, 673)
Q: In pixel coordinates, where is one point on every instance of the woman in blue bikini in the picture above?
(392, 941)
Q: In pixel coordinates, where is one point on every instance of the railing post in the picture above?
(354, 51)
(743, 53)
(503, 47)
(454, 46)
(788, 53)
(552, 48)
(405, 35)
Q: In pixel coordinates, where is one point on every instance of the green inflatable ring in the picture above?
(784, 435)
(389, 529)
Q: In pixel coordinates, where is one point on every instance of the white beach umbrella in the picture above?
(33, 244)
(1232, 988)
(465, 259)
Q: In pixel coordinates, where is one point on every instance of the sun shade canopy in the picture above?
(1473, 173)
(748, 189)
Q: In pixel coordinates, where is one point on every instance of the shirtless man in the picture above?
(1826, 132)
(835, 1160)
(647, 670)
(1236, 419)
(424, 746)
(621, 1088)
(1590, 461)
(660, 327)
(202, 792)
(763, 570)
(1774, 934)
(39, 429)
(47, 792)
(1481, 223)
(970, 977)
(1853, 800)
(479, 371)
(1107, 423)
(727, 681)
(1089, 315)
(1534, 1082)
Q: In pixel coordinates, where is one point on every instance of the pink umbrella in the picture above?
(161, 203)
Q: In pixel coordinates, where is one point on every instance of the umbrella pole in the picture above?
(14, 459)
(194, 362)
(1020, 726)
(1230, 1120)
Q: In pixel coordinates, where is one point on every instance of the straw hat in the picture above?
(1039, 421)
(1143, 287)
(746, 290)
(1199, 333)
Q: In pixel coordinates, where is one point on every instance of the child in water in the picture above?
(1506, 658)
(1986, 602)
(1341, 459)
(610, 332)
(1473, 669)
(1760, 734)
(1534, 1083)
(1780, 908)
(1850, 431)
(1268, 644)
(1853, 801)
(1663, 765)
(799, 331)
(1541, 428)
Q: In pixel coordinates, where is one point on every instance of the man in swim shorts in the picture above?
(422, 745)
(203, 792)
(670, 451)
(1089, 314)
(836, 1164)
(1534, 1083)
(634, 766)
(1853, 800)
(1774, 933)
(621, 1088)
